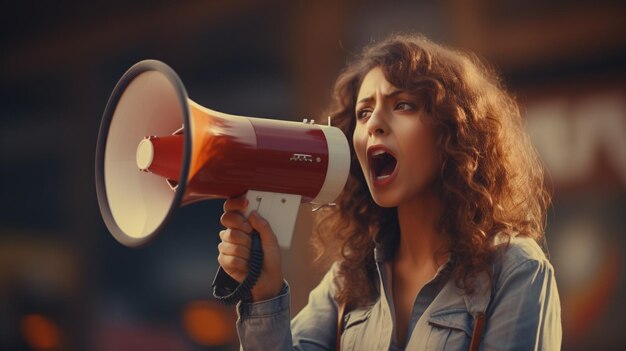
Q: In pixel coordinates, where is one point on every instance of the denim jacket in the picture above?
(522, 312)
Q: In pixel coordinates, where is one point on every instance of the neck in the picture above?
(420, 242)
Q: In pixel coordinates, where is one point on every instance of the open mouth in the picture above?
(382, 164)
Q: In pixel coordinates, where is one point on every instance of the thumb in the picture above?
(263, 227)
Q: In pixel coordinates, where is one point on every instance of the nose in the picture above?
(376, 124)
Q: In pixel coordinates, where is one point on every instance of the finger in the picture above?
(239, 276)
(236, 237)
(236, 267)
(229, 249)
(234, 220)
(238, 203)
(263, 227)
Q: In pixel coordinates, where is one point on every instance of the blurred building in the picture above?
(65, 284)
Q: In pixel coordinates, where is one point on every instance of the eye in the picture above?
(404, 106)
(363, 113)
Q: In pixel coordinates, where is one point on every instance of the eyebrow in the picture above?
(391, 94)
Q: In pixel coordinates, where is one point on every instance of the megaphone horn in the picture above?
(158, 150)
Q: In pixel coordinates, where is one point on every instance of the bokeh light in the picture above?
(209, 323)
(41, 333)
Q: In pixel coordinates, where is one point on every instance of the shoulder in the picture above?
(519, 248)
(521, 257)
(525, 310)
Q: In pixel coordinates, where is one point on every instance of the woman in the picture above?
(434, 239)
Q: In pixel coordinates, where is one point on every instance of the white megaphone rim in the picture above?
(103, 135)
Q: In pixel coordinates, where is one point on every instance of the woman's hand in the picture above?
(235, 249)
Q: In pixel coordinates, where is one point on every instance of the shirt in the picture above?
(522, 311)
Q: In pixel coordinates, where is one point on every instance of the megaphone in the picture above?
(158, 150)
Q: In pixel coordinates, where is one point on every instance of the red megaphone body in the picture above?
(158, 150)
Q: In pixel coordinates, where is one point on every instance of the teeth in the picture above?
(378, 152)
(383, 177)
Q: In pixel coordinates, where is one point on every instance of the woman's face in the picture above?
(394, 142)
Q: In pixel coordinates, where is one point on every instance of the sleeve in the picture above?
(265, 325)
(525, 313)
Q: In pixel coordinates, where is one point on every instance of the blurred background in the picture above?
(66, 284)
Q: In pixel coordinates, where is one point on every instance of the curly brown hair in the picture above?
(491, 180)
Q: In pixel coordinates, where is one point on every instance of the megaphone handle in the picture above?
(230, 291)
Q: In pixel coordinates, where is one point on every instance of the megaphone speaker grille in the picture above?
(149, 100)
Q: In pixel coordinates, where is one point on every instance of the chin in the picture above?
(385, 205)
(394, 197)
(385, 200)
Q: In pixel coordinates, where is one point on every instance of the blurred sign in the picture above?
(582, 141)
